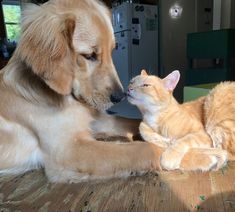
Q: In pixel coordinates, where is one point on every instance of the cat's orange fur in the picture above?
(205, 126)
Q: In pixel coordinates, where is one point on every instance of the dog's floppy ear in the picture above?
(46, 47)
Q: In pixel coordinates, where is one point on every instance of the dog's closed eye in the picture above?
(91, 57)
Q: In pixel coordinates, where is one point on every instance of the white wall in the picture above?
(204, 15)
(217, 14)
(232, 20)
(224, 14)
(173, 34)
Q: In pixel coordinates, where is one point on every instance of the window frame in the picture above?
(13, 3)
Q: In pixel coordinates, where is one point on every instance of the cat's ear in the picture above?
(144, 73)
(171, 80)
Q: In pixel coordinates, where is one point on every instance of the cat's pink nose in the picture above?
(130, 89)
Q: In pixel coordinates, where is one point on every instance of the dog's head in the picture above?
(68, 44)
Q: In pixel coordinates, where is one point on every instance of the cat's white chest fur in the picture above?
(151, 120)
(151, 116)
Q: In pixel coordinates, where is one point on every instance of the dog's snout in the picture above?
(117, 96)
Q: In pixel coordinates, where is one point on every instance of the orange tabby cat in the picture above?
(204, 126)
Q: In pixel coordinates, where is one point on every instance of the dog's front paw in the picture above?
(144, 128)
(171, 159)
(159, 143)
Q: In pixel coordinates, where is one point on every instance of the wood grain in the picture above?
(165, 191)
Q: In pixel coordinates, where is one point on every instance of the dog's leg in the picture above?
(84, 160)
(19, 150)
(115, 126)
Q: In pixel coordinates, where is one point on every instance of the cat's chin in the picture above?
(132, 100)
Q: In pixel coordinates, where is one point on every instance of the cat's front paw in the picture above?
(221, 160)
(217, 143)
(171, 159)
(149, 135)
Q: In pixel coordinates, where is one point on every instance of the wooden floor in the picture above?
(165, 191)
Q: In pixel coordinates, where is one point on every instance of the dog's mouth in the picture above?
(73, 95)
(100, 106)
(78, 99)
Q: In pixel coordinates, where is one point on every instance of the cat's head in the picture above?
(147, 90)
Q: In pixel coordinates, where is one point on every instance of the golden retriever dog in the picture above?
(59, 77)
(54, 92)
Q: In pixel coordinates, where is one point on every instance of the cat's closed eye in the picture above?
(146, 85)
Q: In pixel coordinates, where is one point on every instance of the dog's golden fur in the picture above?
(53, 92)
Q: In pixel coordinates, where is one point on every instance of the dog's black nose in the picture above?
(117, 96)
